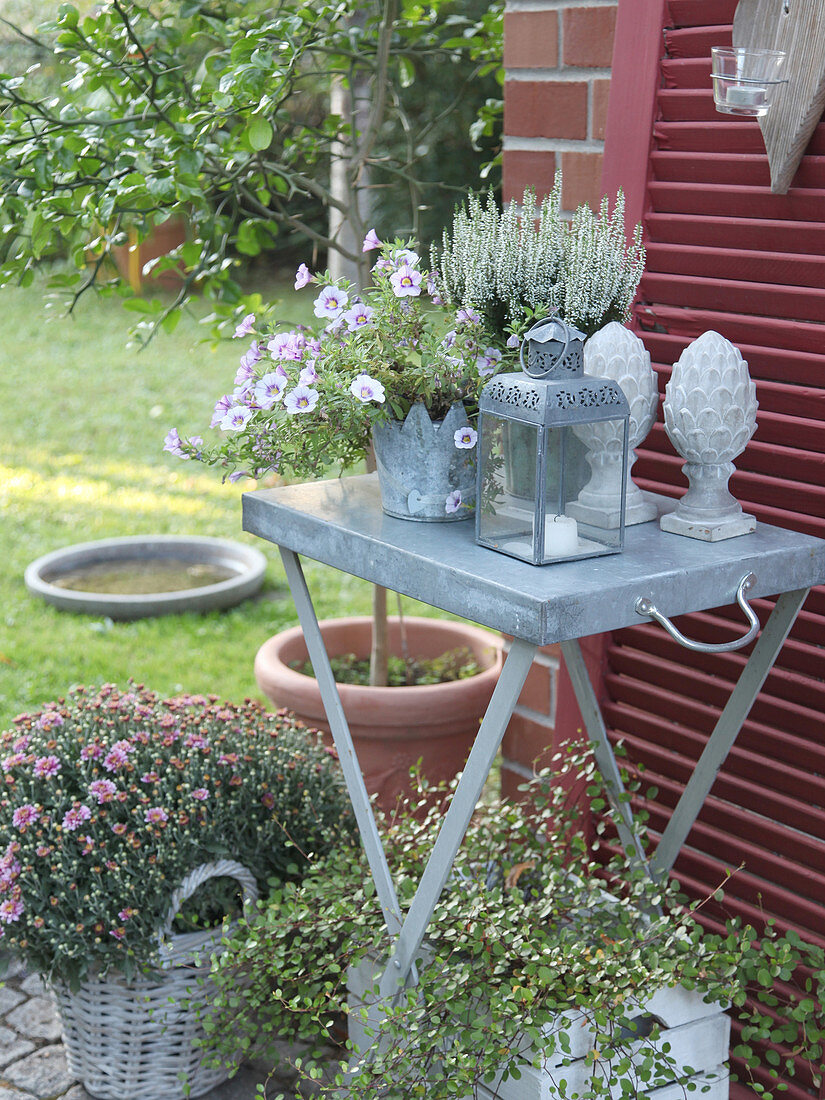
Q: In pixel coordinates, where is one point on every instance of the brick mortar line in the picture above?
(556, 5)
(512, 143)
(566, 75)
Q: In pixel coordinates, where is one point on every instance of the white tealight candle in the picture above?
(561, 536)
(739, 96)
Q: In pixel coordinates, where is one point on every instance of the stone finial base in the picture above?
(714, 531)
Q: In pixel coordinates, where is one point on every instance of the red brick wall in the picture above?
(557, 56)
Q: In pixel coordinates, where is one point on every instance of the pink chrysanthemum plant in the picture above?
(109, 798)
(307, 398)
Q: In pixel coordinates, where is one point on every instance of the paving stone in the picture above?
(37, 1018)
(77, 1093)
(34, 986)
(15, 967)
(43, 1073)
(13, 1094)
(12, 1047)
(9, 998)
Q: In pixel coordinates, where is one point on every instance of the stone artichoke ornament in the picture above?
(710, 414)
(616, 353)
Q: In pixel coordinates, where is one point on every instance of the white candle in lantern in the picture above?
(561, 536)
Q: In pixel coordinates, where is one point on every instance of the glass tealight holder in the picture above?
(744, 80)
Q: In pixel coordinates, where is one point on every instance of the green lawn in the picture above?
(81, 435)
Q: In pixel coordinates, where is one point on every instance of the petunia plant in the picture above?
(110, 798)
(307, 398)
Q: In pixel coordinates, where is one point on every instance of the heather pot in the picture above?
(392, 727)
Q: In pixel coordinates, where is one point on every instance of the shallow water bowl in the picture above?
(141, 576)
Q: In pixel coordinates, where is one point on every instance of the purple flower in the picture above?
(308, 375)
(287, 345)
(156, 814)
(11, 910)
(467, 316)
(119, 828)
(367, 389)
(486, 363)
(302, 399)
(331, 302)
(432, 290)
(513, 341)
(465, 438)
(270, 388)
(149, 777)
(245, 327)
(405, 256)
(25, 815)
(12, 761)
(250, 357)
(302, 276)
(74, 818)
(126, 914)
(453, 502)
(406, 282)
(359, 316)
(91, 752)
(371, 241)
(118, 933)
(103, 790)
(174, 444)
(46, 766)
(222, 407)
(236, 418)
(201, 794)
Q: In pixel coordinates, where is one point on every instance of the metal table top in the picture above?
(340, 523)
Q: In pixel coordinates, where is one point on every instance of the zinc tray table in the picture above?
(657, 575)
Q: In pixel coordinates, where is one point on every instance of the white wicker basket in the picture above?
(136, 1040)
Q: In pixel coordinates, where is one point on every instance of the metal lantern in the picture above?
(542, 430)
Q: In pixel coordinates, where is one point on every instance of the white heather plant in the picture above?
(523, 262)
(110, 798)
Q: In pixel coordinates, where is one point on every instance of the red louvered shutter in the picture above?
(724, 253)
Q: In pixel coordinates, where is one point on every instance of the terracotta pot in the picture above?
(392, 728)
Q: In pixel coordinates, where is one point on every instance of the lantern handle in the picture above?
(645, 606)
(567, 334)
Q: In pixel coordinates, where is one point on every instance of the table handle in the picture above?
(645, 606)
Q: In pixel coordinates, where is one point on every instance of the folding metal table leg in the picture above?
(727, 728)
(456, 820)
(603, 750)
(343, 741)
